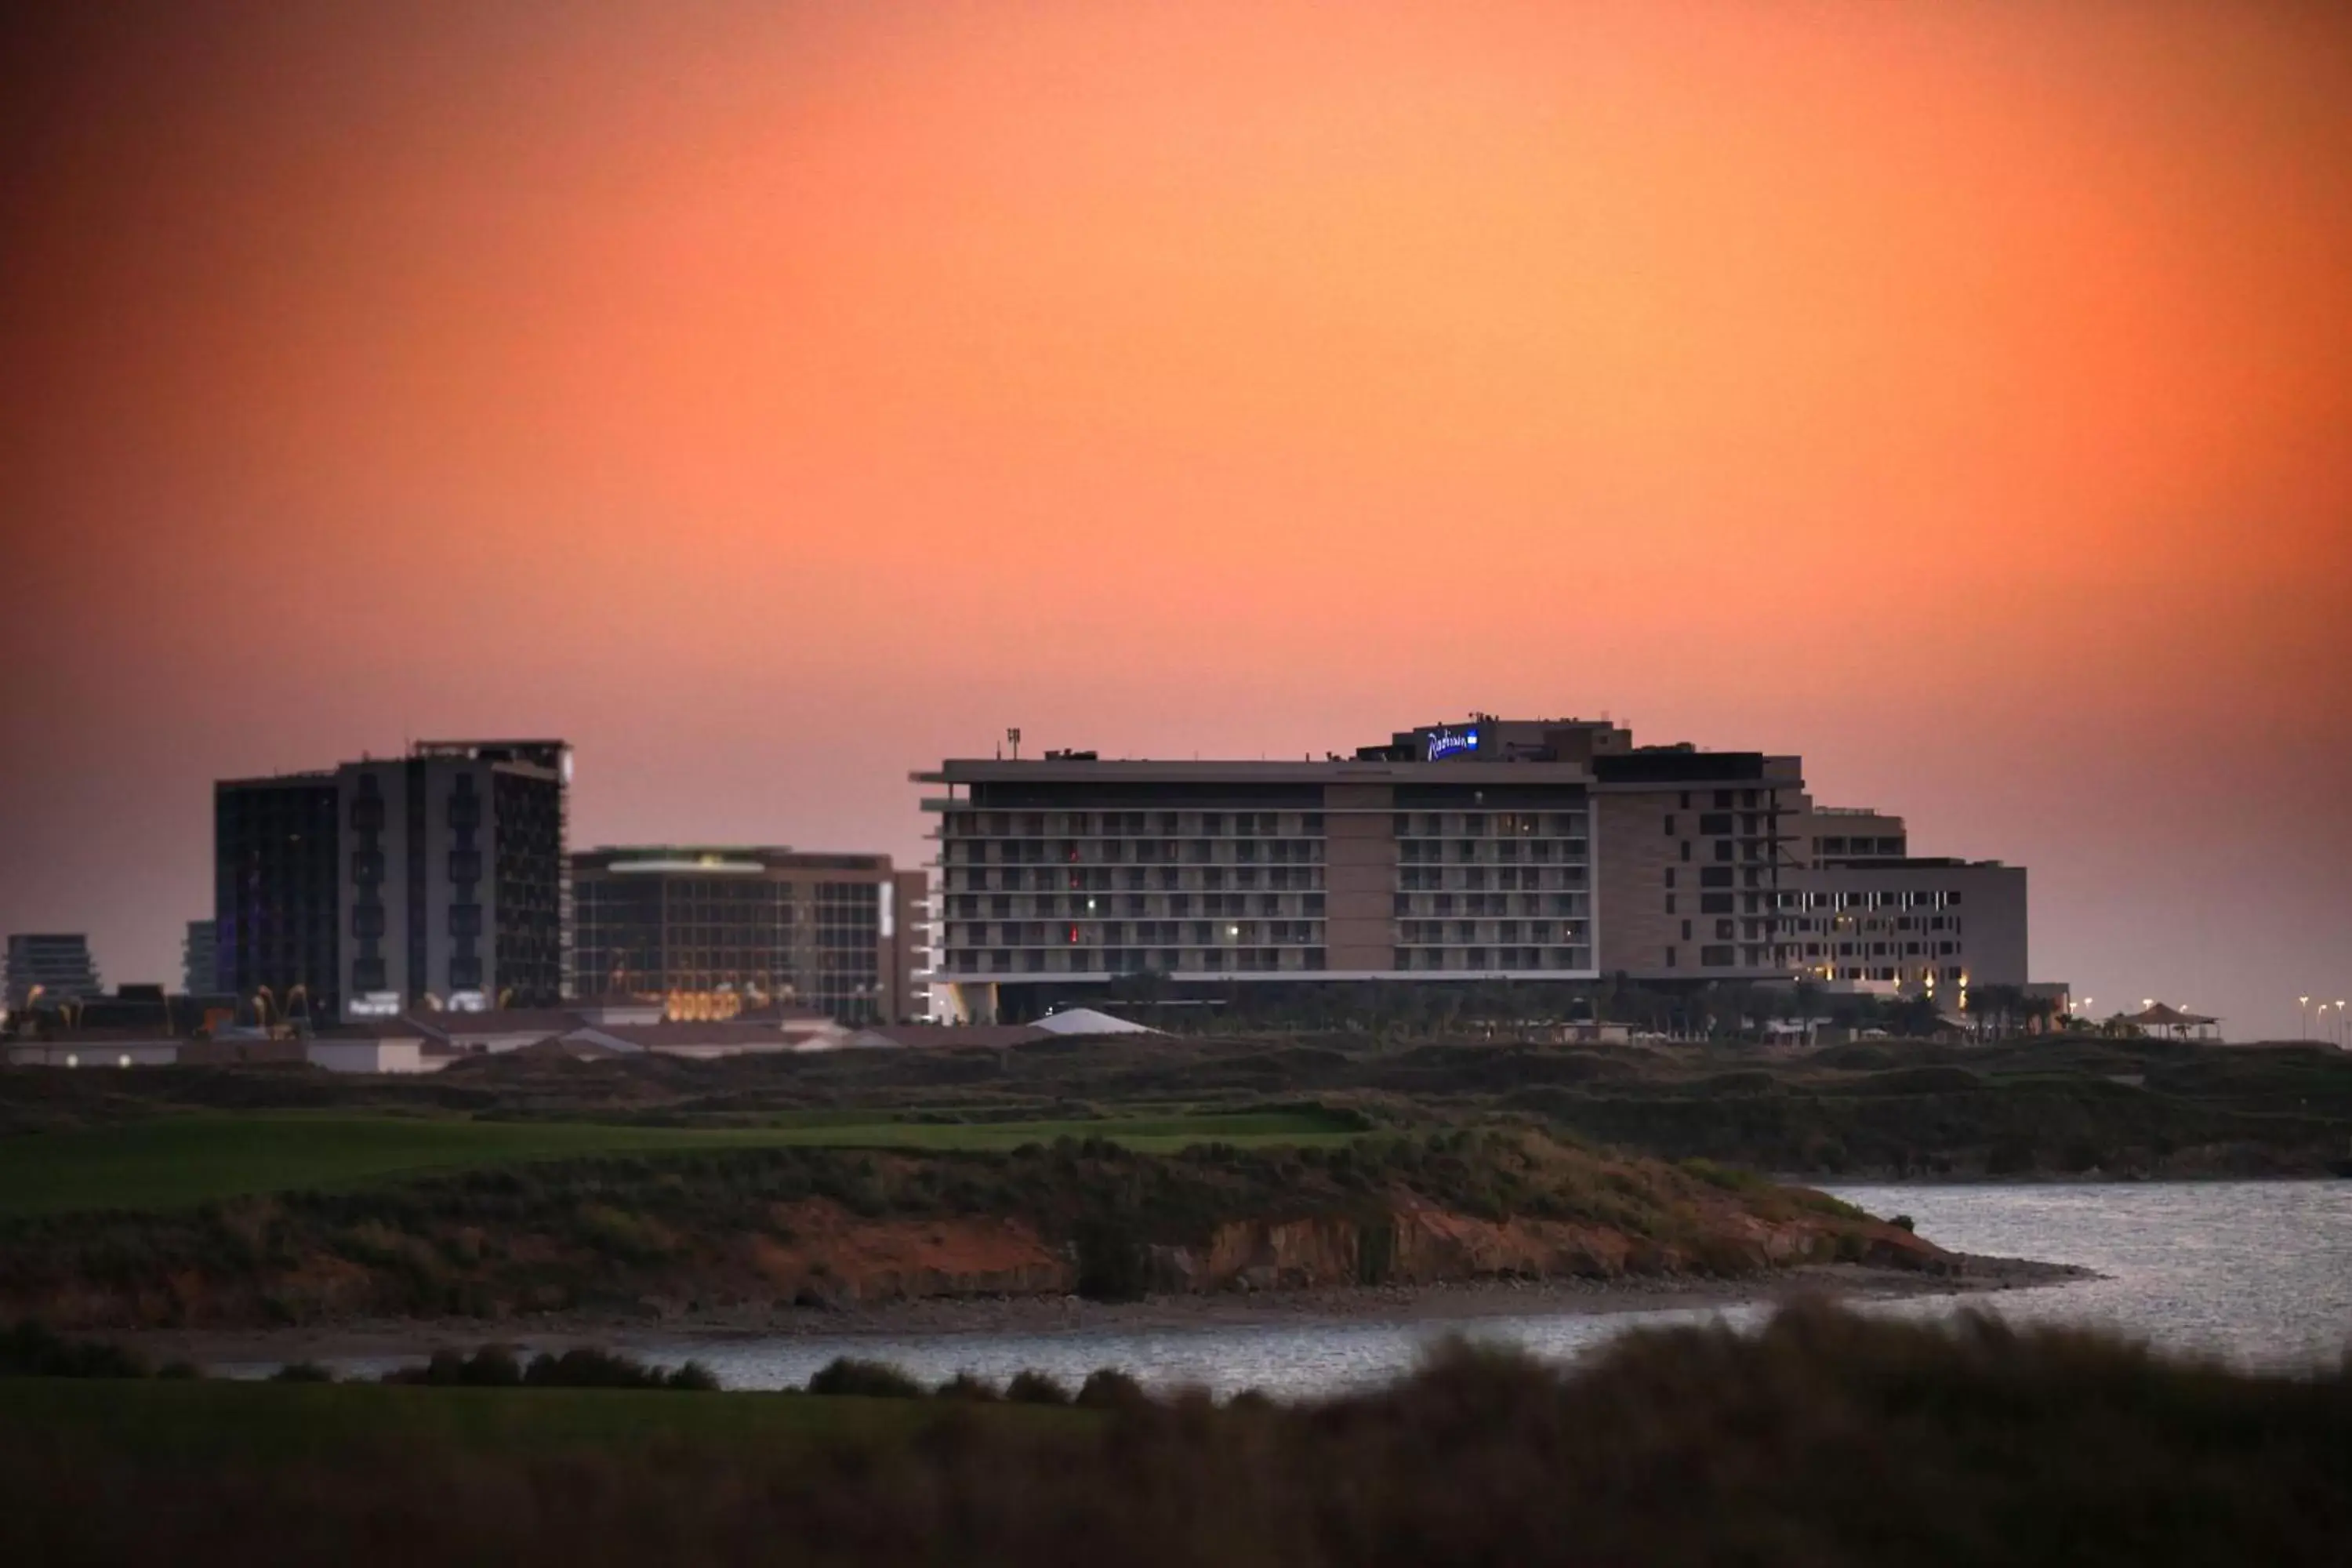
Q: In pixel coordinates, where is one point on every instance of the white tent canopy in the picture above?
(1087, 1021)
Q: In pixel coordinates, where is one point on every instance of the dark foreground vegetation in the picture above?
(2051, 1106)
(1825, 1439)
(32, 1348)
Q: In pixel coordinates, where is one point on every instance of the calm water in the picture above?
(2258, 1272)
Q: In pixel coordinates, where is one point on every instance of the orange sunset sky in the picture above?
(774, 398)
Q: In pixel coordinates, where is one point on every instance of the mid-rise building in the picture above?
(199, 958)
(57, 965)
(454, 886)
(1857, 906)
(437, 878)
(710, 931)
(1492, 850)
(1548, 849)
(275, 858)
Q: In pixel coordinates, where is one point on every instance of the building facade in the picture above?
(1691, 862)
(452, 890)
(713, 930)
(199, 960)
(1488, 850)
(1857, 906)
(436, 877)
(275, 927)
(1491, 850)
(55, 964)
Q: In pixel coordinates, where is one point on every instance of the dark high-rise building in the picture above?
(455, 887)
(439, 877)
(274, 869)
(712, 928)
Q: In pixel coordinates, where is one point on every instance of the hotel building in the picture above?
(453, 890)
(1538, 849)
(711, 931)
(1488, 850)
(437, 878)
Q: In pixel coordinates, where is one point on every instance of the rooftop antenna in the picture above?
(1013, 736)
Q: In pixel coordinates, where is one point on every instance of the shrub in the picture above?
(492, 1366)
(1033, 1387)
(1903, 1221)
(583, 1366)
(969, 1386)
(869, 1379)
(1107, 1388)
(30, 1350)
(302, 1372)
(693, 1377)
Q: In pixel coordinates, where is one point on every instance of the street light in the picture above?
(2303, 1017)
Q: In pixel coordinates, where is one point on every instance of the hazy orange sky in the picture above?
(772, 399)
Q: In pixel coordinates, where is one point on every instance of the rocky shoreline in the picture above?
(656, 1326)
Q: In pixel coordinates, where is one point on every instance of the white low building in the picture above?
(372, 1056)
(94, 1053)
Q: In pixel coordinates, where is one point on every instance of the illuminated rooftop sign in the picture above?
(1447, 742)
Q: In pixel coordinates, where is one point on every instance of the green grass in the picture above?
(177, 1162)
(275, 1421)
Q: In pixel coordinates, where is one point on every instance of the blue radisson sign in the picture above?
(1451, 743)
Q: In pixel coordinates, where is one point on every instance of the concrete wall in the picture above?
(1668, 887)
(1359, 878)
